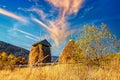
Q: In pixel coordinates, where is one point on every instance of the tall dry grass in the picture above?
(63, 72)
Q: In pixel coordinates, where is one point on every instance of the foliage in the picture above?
(9, 61)
(3, 56)
(20, 60)
(95, 42)
(12, 59)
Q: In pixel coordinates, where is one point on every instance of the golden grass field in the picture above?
(63, 72)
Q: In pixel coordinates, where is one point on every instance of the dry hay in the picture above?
(38, 53)
(66, 55)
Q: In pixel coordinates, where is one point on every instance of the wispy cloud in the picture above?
(67, 7)
(36, 10)
(88, 9)
(26, 33)
(31, 38)
(16, 39)
(58, 29)
(57, 34)
(39, 12)
(14, 32)
(12, 15)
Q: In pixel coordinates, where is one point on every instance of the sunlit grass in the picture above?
(63, 72)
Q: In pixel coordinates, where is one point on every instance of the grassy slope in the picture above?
(63, 72)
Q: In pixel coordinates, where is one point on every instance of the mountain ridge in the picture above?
(15, 50)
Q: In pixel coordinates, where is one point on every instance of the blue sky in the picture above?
(24, 34)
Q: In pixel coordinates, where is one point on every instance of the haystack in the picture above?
(40, 53)
(66, 55)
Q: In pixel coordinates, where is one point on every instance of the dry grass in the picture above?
(63, 72)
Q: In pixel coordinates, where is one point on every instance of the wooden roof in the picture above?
(43, 42)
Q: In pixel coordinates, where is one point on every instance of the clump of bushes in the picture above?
(7, 61)
(10, 61)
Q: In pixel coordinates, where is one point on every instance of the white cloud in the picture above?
(12, 15)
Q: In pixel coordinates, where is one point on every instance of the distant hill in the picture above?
(15, 50)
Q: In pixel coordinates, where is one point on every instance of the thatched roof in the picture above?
(43, 42)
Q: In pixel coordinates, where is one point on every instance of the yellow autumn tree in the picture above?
(4, 56)
(96, 41)
(11, 59)
(3, 59)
